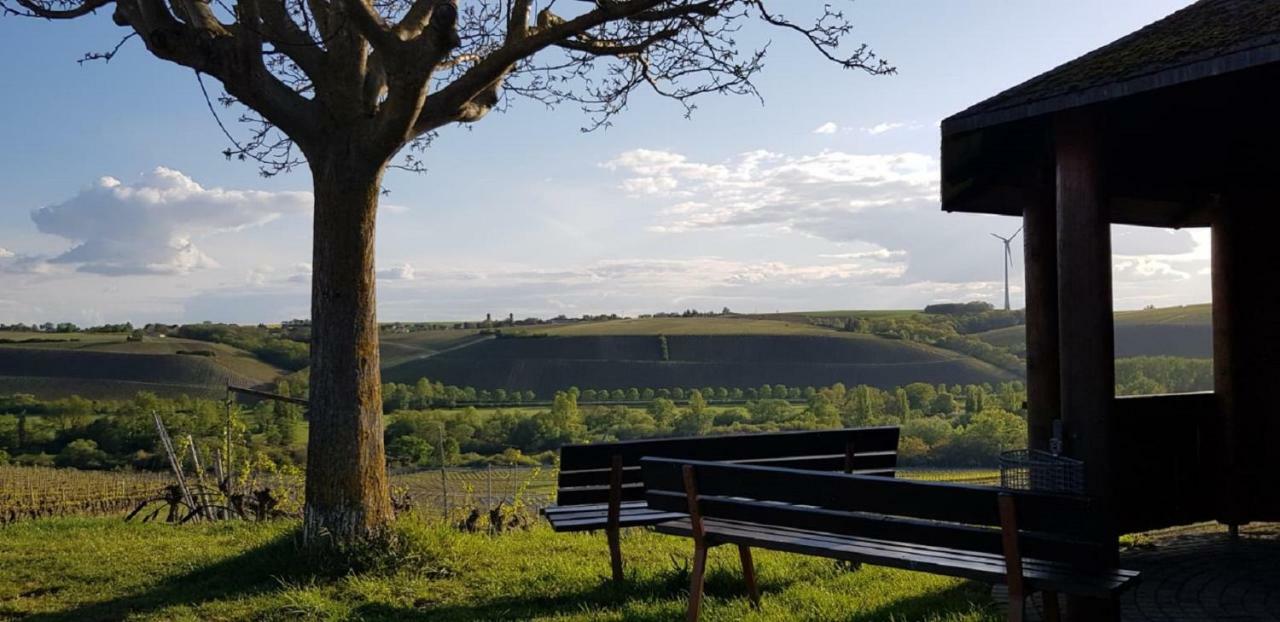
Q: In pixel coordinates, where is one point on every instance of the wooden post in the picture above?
(698, 573)
(849, 455)
(1246, 356)
(1086, 326)
(749, 575)
(1012, 558)
(613, 527)
(1040, 260)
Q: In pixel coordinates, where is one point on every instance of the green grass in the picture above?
(1201, 314)
(108, 366)
(397, 348)
(684, 326)
(104, 569)
(1174, 331)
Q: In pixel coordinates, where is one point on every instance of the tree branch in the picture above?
(35, 9)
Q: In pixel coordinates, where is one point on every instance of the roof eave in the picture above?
(1244, 57)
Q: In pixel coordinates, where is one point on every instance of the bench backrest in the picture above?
(1051, 527)
(585, 470)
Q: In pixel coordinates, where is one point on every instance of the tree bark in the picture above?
(347, 499)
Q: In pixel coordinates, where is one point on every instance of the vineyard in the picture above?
(34, 492)
(31, 492)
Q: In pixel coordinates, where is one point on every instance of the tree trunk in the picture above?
(347, 499)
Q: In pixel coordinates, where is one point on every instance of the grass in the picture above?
(685, 326)
(812, 356)
(1201, 314)
(107, 366)
(102, 569)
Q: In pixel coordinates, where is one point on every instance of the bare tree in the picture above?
(346, 86)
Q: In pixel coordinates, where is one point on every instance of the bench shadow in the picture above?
(255, 571)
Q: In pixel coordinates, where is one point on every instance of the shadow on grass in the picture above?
(256, 571)
(654, 598)
(672, 586)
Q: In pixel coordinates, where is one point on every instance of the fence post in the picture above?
(444, 480)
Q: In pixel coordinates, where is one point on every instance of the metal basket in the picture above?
(1033, 469)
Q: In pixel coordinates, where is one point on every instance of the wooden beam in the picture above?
(1040, 259)
(1246, 357)
(1086, 330)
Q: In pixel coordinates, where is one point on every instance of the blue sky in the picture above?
(116, 204)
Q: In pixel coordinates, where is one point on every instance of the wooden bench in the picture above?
(600, 484)
(1029, 541)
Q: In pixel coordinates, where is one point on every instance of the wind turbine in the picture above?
(1008, 261)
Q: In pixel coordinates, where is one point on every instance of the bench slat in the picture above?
(625, 520)
(732, 447)
(960, 563)
(868, 462)
(893, 528)
(953, 503)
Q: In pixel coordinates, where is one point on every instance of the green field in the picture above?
(105, 569)
(799, 356)
(397, 348)
(1174, 331)
(108, 366)
(682, 326)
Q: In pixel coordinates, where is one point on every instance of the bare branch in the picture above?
(31, 8)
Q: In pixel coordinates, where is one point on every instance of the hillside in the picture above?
(106, 366)
(1174, 331)
(701, 352)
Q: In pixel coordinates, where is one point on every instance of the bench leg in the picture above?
(695, 582)
(1017, 608)
(1051, 612)
(749, 573)
(615, 553)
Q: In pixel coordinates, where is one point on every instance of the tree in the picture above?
(345, 86)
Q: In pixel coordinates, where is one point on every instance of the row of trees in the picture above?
(957, 426)
(937, 420)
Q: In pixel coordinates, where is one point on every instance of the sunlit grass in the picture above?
(99, 569)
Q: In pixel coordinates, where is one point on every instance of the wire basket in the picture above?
(1033, 469)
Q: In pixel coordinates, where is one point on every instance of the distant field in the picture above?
(397, 348)
(682, 326)
(108, 367)
(1186, 315)
(1175, 331)
(808, 356)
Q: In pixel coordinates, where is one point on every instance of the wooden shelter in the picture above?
(1175, 125)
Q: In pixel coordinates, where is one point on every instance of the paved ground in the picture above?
(1202, 574)
(1199, 574)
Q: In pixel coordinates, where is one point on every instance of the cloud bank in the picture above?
(150, 226)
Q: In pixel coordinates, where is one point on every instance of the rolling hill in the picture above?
(107, 366)
(726, 352)
(1173, 331)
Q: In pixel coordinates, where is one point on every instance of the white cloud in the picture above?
(5, 253)
(402, 272)
(827, 128)
(149, 227)
(881, 128)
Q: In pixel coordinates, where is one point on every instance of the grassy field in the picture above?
(1174, 331)
(683, 326)
(107, 366)
(397, 348)
(810, 357)
(101, 569)
(1185, 315)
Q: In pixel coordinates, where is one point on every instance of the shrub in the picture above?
(82, 453)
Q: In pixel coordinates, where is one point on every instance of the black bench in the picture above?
(600, 484)
(1029, 541)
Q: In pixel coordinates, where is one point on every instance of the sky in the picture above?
(116, 203)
